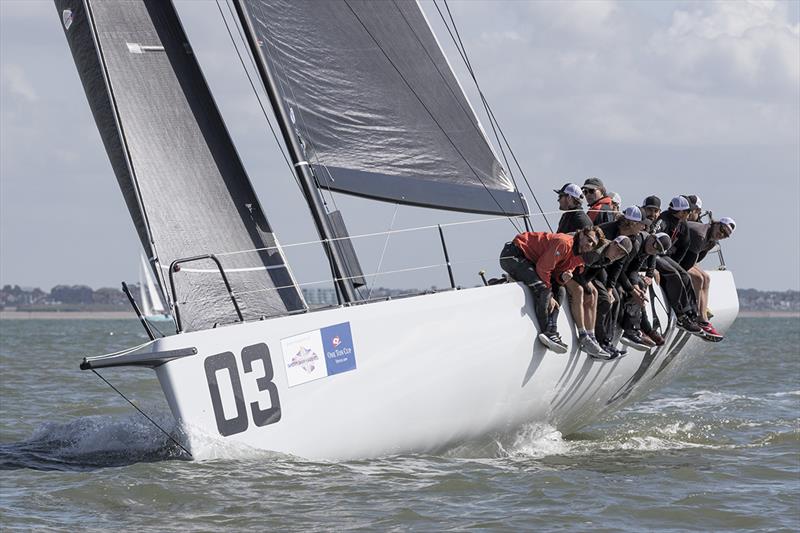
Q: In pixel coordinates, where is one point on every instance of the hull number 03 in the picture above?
(227, 361)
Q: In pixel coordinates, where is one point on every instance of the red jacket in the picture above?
(598, 206)
(550, 252)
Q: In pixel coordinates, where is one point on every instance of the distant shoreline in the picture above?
(128, 315)
(67, 315)
(769, 314)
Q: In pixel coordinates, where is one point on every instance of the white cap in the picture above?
(632, 213)
(728, 221)
(679, 203)
(570, 189)
(698, 204)
(616, 198)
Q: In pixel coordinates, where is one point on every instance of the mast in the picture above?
(301, 166)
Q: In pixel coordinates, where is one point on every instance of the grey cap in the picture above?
(663, 241)
(625, 243)
(593, 183)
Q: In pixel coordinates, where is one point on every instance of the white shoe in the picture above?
(591, 347)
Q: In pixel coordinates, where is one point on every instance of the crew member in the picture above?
(617, 287)
(570, 200)
(544, 262)
(702, 239)
(599, 203)
(674, 279)
(616, 204)
(651, 208)
(695, 207)
(637, 329)
(594, 278)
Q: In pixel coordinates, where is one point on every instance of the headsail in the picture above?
(376, 106)
(182, 179)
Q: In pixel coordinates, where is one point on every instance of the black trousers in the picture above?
(633, 316)
(514, 262)
(677, 286)
(607, 313)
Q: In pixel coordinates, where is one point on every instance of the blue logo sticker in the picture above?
(337, 342)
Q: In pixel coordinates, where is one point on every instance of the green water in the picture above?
(719, 449)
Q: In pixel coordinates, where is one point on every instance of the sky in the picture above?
(661, 98)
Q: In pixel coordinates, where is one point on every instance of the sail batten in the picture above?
(376, 106)
(185, 186)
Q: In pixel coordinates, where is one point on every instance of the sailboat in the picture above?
(367, 105)
(152, 306)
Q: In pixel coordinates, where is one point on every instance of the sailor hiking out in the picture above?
(544, 262)
(611, 264)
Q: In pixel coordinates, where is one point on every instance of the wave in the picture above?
(538, 441)
(93, 442)
(697, 401)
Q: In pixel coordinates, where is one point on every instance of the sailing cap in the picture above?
(662, 243)
(593, 183)
(632, 213)
(615, 198)
(728, 221)
(625, 243)
(652, 201)
(570, 189)
(679, 203)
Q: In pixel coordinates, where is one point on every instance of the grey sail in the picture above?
(183, 182)
(375, 105)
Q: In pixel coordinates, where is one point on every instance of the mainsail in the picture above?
(376, 106)
(179, 172)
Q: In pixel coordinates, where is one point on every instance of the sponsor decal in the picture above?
(305, 358)
(303, 354)
(66, 18)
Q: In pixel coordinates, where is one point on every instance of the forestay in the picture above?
(375, 105)
(183, 182)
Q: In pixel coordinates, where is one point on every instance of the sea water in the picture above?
(718, 449)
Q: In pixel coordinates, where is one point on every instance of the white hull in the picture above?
(430, 371)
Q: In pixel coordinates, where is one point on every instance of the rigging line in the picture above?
(404, 230)
(252, 86)
(483, 100)
(164, 431)
(318, 282)
(492, 119)
(510, 218)
(465, 57)
(383, 253)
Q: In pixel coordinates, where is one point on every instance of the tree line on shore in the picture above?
(84, 298)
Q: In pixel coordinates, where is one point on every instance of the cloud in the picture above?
(14, 80)
(723, 73)
(724, 47)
